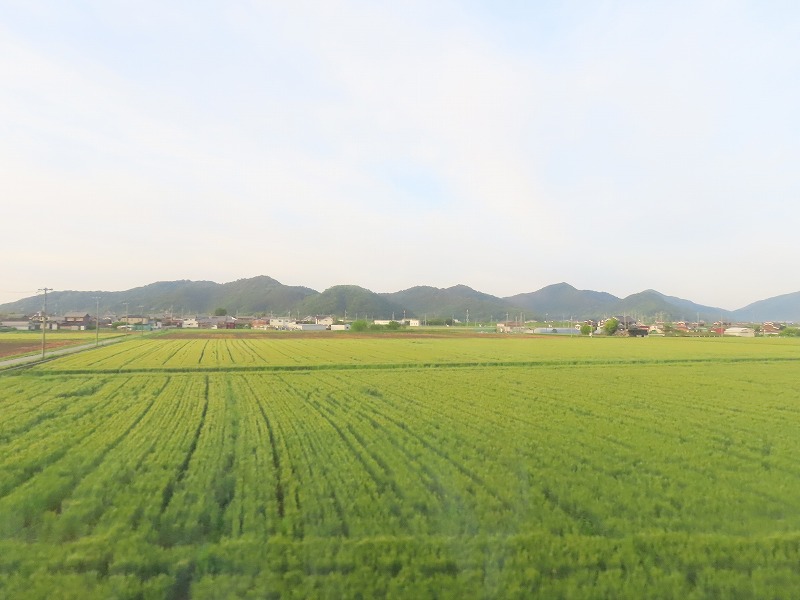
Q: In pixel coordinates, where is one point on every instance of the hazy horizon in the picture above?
(506, 146)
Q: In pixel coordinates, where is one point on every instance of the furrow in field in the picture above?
(327, 480)
(46, 442)
(98, 493)
(252, 510)
(437, 495)
(286, 517)
(44, 493)
(173, 349)
(204, 486)
(296, 364)
(145, 464)
(51, 398)
(466, 489)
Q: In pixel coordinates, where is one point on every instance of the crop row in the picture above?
(371, 453)
(637, 480)
(221, 353)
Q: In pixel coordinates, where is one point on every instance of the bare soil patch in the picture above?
(9, 348)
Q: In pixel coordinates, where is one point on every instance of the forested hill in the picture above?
(265, 295)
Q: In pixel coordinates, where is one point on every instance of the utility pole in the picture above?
(44, 316)
(97, 322)
(127, 321)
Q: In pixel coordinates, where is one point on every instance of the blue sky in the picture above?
(617, 146)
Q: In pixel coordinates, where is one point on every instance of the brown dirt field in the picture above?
(20, 347)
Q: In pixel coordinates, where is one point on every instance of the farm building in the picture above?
(740, 332)
(308, 327)
(556, 330)
(19, 325)
(512, 327)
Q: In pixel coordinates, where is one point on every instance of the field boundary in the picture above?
(404, 366)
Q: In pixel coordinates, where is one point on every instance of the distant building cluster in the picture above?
(629, 326)
(625, 324)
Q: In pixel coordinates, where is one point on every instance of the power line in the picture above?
(44, 316)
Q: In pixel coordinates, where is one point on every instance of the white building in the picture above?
(308, 327)
(18, 325)
(281, 322)
(740, 332)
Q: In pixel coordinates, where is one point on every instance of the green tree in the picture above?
(393, 326)
(611, 326)
(586, 329)
(220, 312)
(359, 325)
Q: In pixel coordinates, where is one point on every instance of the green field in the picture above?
(411, 467)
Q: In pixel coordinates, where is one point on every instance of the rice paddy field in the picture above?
(218, 466)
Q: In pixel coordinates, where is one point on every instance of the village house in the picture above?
(261, 323)
(197, 323)
(76, 321)
(281, 322)
(682, 327)
(222, 322)
(134, 320)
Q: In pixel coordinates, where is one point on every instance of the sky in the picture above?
(505, 145)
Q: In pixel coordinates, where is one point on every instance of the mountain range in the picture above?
(264, 295)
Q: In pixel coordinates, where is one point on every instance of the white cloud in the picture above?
(393, 145)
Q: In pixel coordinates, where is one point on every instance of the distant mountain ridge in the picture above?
(452, 302)
(265, 295)
(561, 301)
